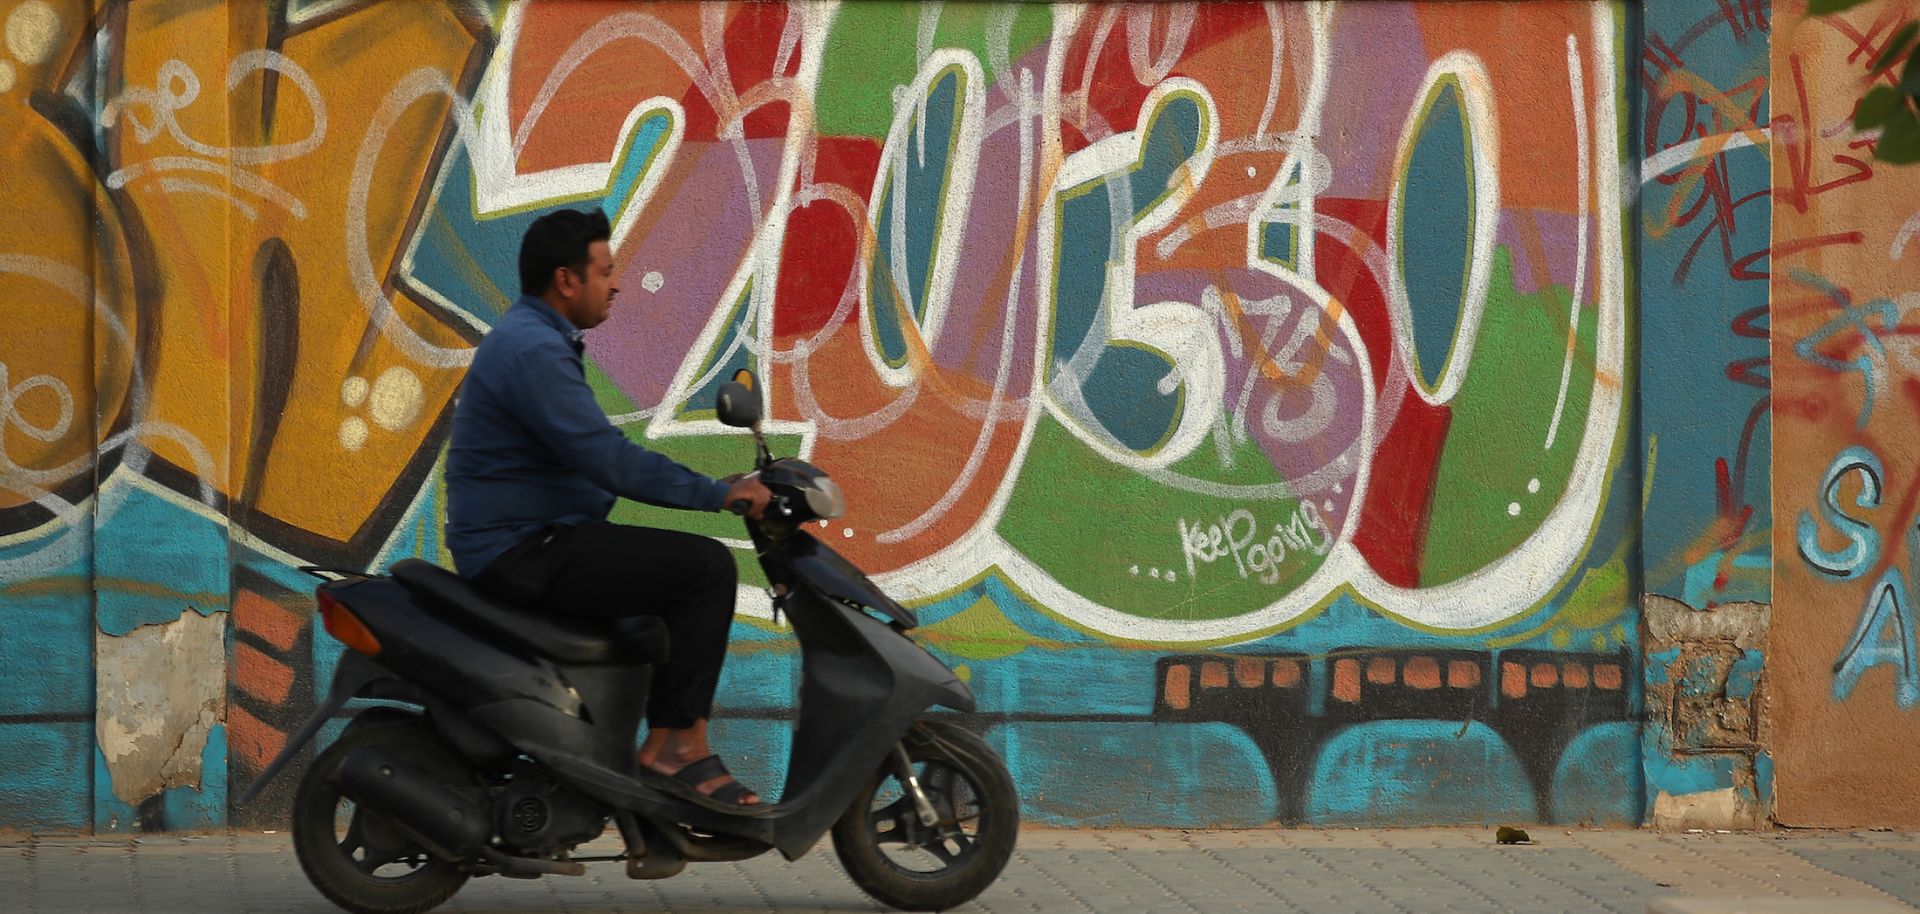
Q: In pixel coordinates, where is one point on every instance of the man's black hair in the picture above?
(558, 239)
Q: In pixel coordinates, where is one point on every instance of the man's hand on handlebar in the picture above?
(747, 495)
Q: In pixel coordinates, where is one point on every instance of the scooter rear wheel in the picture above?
(354, 856)
(904, 864)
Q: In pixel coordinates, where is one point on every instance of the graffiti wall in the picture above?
(1846, 286)
(1244, 392)
(1705, 429)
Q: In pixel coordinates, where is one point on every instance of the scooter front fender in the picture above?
(922, 672)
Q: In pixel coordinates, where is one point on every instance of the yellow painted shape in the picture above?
(334, 456)
(64, 279)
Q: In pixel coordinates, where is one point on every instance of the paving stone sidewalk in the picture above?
(1277, 870)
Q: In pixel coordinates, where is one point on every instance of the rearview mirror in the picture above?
(738, 404)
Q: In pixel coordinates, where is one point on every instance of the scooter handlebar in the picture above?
(778, 506)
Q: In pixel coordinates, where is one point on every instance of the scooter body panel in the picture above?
(863, 686)
(463, 667)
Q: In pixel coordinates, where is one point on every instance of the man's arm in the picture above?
(549, 393)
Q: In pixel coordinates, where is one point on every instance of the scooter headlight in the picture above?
(824, 498)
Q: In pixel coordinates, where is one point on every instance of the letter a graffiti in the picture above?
(1889, 605)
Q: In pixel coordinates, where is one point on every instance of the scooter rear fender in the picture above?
(356, 676)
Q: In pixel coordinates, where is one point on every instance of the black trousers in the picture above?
(610, 571)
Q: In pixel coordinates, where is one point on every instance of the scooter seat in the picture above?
(638, 639)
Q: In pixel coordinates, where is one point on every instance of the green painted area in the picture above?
(700, 403)
(1101, 529)
(1600, 598)
(613, 401)
(872, 49)
(979, 632)
(714, 455)
(1496, 444)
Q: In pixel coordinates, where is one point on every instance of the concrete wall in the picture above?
(1846, 285)
(1702, 237)
(1252, 397)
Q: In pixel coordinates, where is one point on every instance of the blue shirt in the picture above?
(531, 446)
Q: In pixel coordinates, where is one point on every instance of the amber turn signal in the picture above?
(346, 627)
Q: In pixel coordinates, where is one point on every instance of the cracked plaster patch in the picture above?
(161, 690)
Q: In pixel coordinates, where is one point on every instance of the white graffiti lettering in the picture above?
(1302, 533)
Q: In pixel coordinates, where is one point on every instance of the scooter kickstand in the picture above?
(904, 770)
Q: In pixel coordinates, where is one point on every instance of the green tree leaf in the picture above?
(1877, 107)
(1899, 140)
(1895, 46)
(1825, 7)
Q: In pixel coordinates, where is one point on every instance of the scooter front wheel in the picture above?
(904, 863)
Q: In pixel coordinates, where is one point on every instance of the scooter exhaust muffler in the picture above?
(450, 826)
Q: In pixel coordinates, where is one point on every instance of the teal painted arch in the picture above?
(1441, 222)
(1116, 397)
(925, 156)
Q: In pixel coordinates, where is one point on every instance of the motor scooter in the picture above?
(504, 738)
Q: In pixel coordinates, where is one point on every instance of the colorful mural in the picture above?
(1245, 393)
(1702, 136)
(1846, 283)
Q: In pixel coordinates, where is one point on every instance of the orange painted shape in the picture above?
(1346, 681)
(1463, 674)
(1179, 687)
(1513, 680)
(1545, 675)
(589, 105)
(919, 464)
(252, 740)
(1286, 674)
(261, 676)
(1422, 673)
(1213, 675)
(1249, 672)
(1524, 49)
(273, 623)
(1381, 671)
(1575, 676)
(186, 260)
(1607, 676)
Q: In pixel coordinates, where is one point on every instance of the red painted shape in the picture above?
(1071, 139)
(260, 675)
(1116, 90)
(1722, 487)
(251, 740)
(751, 45)
(1393, 519)
(822, 239)
(273, 623)
(1343, 273)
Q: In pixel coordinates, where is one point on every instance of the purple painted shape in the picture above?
(697, 247)
(1559, 240)
(976, 320)
(1308, 460)
(975, 324)
(1380, 44)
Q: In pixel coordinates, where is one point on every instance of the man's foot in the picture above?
(707, 777)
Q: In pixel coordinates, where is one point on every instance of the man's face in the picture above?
(589, 298)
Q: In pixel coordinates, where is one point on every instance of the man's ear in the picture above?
(565, 283)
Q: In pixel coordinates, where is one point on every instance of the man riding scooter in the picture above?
(533, 469)
(504, 740)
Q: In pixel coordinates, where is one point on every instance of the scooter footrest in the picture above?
(654, 866)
